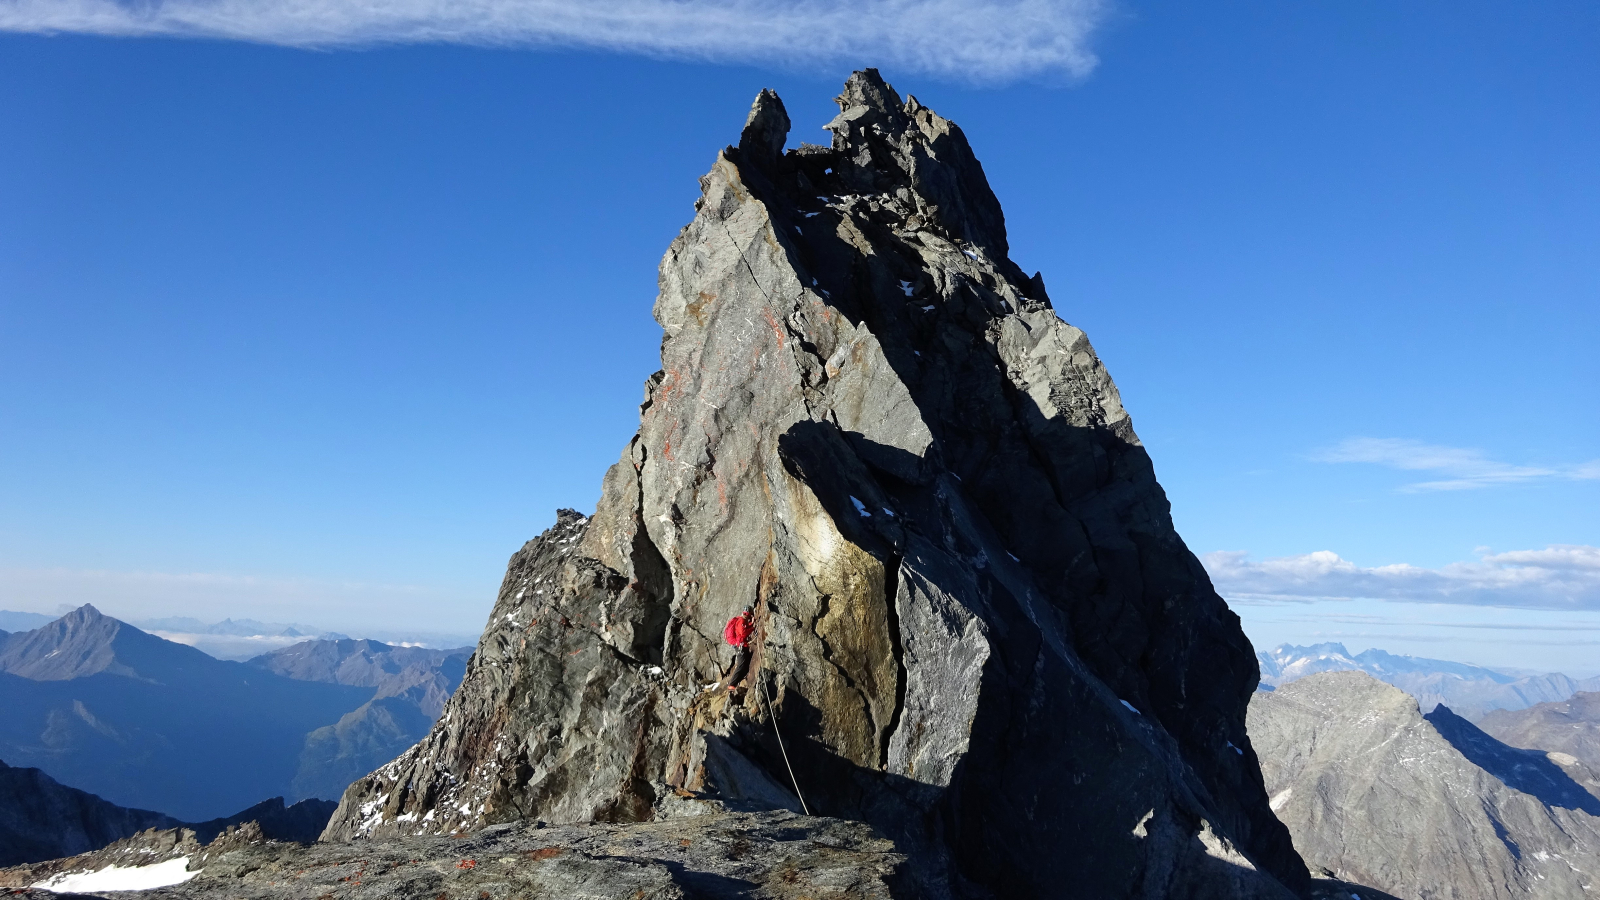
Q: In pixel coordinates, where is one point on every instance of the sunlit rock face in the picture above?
(974, 625)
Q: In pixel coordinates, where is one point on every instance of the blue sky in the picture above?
(324, 332)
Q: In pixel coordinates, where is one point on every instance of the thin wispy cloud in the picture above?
(1460, 468)
(967, 40)
(1561, 577)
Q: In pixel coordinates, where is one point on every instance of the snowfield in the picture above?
(120, 878)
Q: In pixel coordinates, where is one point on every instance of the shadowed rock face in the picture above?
(1529, 771)
(1377, 794)
(975, 627)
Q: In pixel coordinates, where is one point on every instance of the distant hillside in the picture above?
(391, 670)
(245, 639)
(411, 684)
(23, 621)
(1569, 730)
(1421, 807)
(1472, 691)
(232, 639)
(153, 724)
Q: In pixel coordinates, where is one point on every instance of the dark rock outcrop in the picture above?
(300, 822)
(41, 819)
(1376, 794)
(974, 625)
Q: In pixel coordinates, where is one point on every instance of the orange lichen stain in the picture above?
(467, 864)
(670, 382)
(777, 330)
(545, 853)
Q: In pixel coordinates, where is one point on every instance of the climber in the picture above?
(738, 632)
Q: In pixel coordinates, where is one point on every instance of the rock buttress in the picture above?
(976, 625)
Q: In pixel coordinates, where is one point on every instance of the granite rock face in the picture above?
(1376, 794)
(974, 625)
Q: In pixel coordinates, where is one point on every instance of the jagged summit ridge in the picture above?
(974, 624)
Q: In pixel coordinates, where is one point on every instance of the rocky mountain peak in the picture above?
(912, 158)
(80, 643)
(765, 130)
(970, 621)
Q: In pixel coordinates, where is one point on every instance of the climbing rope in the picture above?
(774, 718)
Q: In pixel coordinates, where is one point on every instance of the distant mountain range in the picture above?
(243, 639)
(411, 686)
(1471, 691)
(22, 621)
(152, 724)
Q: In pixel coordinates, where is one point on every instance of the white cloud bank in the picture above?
(1462, 468)
(1561, 577)
(966, 40)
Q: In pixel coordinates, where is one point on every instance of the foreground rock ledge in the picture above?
(974, 626)
(729, 855)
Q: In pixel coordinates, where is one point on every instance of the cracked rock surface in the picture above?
(975, 627)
